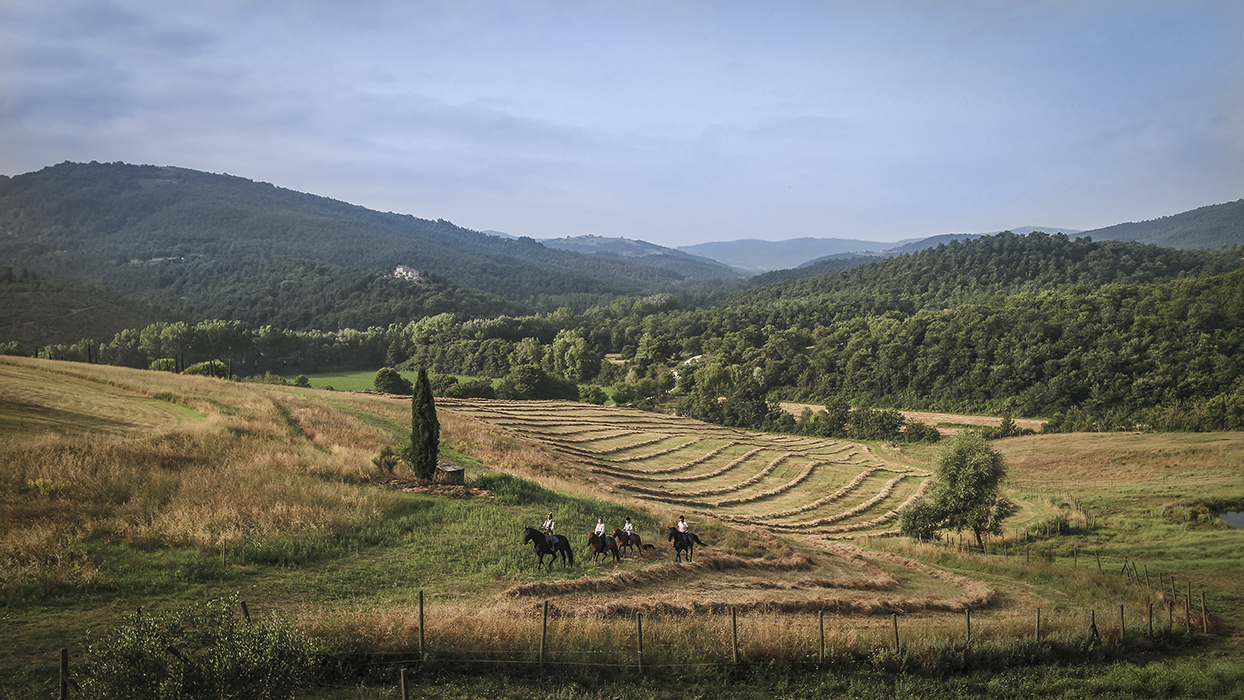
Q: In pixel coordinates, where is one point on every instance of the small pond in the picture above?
(1235, 519)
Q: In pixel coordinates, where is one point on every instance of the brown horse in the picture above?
(603, 545)
(630, 541)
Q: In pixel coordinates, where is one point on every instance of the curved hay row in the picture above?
(663, 572)
(710, 492)
(975, 593)
(658, 453)
(891, 515)
(800, 478)
(655, 474)
(883, 494)
(623, 448)
(763, 519)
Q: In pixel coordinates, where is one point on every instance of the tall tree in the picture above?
(965, 494)
(425, 429)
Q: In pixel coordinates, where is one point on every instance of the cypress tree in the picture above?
(425, 430)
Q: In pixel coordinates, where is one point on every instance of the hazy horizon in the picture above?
(675, 124)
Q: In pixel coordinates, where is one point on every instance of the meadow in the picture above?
(125, 489)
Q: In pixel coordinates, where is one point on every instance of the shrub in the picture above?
(12, 347)
(202, 651)
(390, 382)
(164, 364)
(211, 368)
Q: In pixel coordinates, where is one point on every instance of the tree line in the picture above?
(1087, 335)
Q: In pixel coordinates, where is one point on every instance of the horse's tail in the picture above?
(569, 553)
(693, 536)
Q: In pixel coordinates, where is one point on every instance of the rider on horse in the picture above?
(683, 527)
(547, 528)
(600, 527)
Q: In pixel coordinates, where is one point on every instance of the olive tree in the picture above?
(965, 493)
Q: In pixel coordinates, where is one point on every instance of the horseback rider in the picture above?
(600, 527)
(629, 530)
(547, 528)
(683, 527)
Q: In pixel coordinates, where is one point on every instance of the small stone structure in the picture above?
(449, 473)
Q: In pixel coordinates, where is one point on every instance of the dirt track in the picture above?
(936, 418)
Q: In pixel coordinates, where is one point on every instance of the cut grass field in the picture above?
(155, 490)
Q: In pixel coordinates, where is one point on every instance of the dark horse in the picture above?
(683, 541)
(542, 547)
(624, 540)
(603, 544)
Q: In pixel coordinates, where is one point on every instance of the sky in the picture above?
(671, 122)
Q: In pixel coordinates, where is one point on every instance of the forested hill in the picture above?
(1214, 226)
(969, 272)
(182, 238)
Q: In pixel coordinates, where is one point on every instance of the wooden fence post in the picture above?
(1093, 624)
(64, 674)
(1150, 619)
(246, 611)
(422, 649)
(1075, 557)
(1122, 629)
(820, 616)
(1147, 578)
(1038, 627)
(544, 633)
(1099, 561)
(1188, 609)
(639, 634)
(405, 692)
(734, 632)
(968, 612)
(896, 645)
(1204, 617)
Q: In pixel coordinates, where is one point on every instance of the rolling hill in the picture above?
(204, 245)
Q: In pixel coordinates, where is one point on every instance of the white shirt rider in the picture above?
(548, 529)
(600, 527)
(682, 525)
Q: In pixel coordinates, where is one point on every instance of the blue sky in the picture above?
(672, 122)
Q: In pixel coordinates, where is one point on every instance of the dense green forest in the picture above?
(203, 245)
(1086, 334)
(252, 279)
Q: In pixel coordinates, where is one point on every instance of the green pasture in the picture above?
(1148, 500)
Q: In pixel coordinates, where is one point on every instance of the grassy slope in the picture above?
(347, 559)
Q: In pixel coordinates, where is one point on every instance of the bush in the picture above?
(592, 393)
(12, 347)
(164, 364)
(390, 382)
(202, 651)
(211, 368)
(921, 432)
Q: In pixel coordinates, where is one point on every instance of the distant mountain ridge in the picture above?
(644, 253)
(207, 245)
(758, 256)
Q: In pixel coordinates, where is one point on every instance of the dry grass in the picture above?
(236, 469)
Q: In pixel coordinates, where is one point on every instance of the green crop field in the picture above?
(125, 489)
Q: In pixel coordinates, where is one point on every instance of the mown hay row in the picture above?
(710, 492)
(976, 594)
(807, 472)
(655, 474)
(622, 448)
(883, 494)
(658, 453)
(836, 495)
(887, 517)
